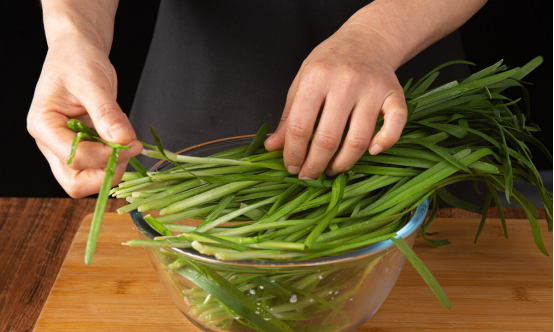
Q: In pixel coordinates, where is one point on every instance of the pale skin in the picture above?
(349, 76)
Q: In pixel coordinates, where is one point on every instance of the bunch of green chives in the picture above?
(465, 130)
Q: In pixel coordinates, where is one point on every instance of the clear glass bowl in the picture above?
(349, 288)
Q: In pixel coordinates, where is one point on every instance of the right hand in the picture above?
(78, 81)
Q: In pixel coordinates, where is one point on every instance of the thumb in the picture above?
(109, 120)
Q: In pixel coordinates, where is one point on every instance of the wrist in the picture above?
(373, 43)
(384, 23)
(65, 24)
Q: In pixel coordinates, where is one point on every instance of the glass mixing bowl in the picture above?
(337, 293)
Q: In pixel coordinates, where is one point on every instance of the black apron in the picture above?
(217, 69)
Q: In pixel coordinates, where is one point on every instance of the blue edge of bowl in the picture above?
(412, 226)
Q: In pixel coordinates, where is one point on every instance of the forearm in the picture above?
(406, 27)
(91, 21)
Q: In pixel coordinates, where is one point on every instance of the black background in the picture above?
(515, 31)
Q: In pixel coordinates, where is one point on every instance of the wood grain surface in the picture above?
(35, 235)
(496, 285)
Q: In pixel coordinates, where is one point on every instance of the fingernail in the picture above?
(330, 172)
(375, 149)
(118, 130)
(293, 169)
(304, 177)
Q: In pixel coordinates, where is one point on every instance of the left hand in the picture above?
(348, 76)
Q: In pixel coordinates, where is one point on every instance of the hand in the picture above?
(348, 77)
(78, 81)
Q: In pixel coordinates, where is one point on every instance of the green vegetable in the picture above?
(252, 209)
(101, 206)
(422, 270)
(257, 142)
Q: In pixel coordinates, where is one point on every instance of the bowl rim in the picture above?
(411, 226)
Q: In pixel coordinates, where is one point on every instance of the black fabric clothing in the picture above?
(222, 68)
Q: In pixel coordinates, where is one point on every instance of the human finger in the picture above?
(327, 137)
(277, 140)
(356, 142)
(301, 119)
(395, 114)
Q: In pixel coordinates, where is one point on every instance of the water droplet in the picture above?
(258, 303)
(261, 287)
(293, 298)
(271, 309)
(257, 312)
(252, 291)
(321, 276)
(237, 317)
(351, 299)
(272, 280)
(311, 300)
(332, 298)
(267, 318)
(336, 292)
(331, 292)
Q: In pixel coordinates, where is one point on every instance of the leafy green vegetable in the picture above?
(252, 209)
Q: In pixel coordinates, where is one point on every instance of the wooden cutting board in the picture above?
(496, 285)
